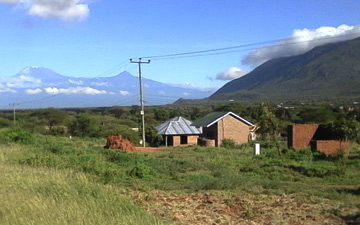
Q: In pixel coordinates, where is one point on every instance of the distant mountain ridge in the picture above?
(330, 71)
(37, 87)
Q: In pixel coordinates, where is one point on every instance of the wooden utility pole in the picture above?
(13, 105)
(141, 98)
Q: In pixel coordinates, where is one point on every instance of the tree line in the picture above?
(101, 122)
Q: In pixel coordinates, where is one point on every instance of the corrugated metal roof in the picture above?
(178, 126)
(214, 117)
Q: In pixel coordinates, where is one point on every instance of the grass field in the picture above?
(54, 180)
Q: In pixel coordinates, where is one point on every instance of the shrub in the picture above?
(18, 135)
(228, 143)
(140, 171)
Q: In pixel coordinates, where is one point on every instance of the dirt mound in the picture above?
(118, 142)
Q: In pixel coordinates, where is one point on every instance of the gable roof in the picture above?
(178, 126)
(214, 117)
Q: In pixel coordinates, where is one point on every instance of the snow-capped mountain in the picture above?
(36, 87)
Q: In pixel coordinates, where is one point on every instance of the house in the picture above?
(178, 131)
(218, 126)
(316, 136)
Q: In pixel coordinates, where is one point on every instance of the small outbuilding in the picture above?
(178, 131)
(316, 136)
(218, 126)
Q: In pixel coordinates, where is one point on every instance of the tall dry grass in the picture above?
(31, 195)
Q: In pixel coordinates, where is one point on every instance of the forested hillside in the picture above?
(327, 72)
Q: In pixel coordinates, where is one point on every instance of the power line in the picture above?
(238, 48)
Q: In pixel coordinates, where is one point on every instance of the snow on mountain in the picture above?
(37, 87)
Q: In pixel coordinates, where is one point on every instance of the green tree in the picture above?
(347, 129)
(267, 121)
(317, 115)
(152, 137)
(51, 117)
(85, 125)
(161, 114)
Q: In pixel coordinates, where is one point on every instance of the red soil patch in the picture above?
(147, 149)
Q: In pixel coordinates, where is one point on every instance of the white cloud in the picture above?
(231, 73)
(7, 90)
(22, 82)
(74, 90)
(124, 92)
(104, 84)
(68, 10)
(190, 85)
(77, 82)
(33, 91)
(301, 41)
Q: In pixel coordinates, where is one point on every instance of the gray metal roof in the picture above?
(178, 126)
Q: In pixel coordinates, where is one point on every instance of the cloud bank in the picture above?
(67, 91)
(22, 81)
(67, 10)
(301, 41)
(231, 73)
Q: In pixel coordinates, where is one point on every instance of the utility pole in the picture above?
(141, 98)
(13, 105)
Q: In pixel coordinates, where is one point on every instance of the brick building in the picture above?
(218, 126)
(316, 136)
(178, 131)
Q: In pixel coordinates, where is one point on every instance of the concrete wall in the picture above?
(330, 147)
(300, 135)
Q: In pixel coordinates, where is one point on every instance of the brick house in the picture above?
(317, 137)
(178, 131)
(218, 126)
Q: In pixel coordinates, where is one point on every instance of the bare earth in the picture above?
(219, 208)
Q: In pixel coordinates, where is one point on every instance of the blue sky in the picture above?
(98, 37)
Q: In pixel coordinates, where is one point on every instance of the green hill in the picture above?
(326, 72)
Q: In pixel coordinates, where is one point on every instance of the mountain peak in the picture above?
(28, 69)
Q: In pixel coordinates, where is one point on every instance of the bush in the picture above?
(228, 143)
(140, 171)
(5, 122)
(18, 135)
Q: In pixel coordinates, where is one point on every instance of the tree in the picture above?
(267, 121)
(317, 115)
(51, 117)
(347, 129)
(85, 125)
(152, 137)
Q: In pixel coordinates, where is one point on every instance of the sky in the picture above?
(96, 38)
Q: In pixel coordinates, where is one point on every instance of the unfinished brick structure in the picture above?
(330, 147)
(300, 135)
(218, 126)
(316, 136)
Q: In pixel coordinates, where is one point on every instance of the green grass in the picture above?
(49, 195)
(58, 174)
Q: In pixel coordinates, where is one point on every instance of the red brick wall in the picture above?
(300, 135)
(330, 147)
(232, 128)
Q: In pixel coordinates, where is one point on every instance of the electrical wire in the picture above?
(238, 48)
